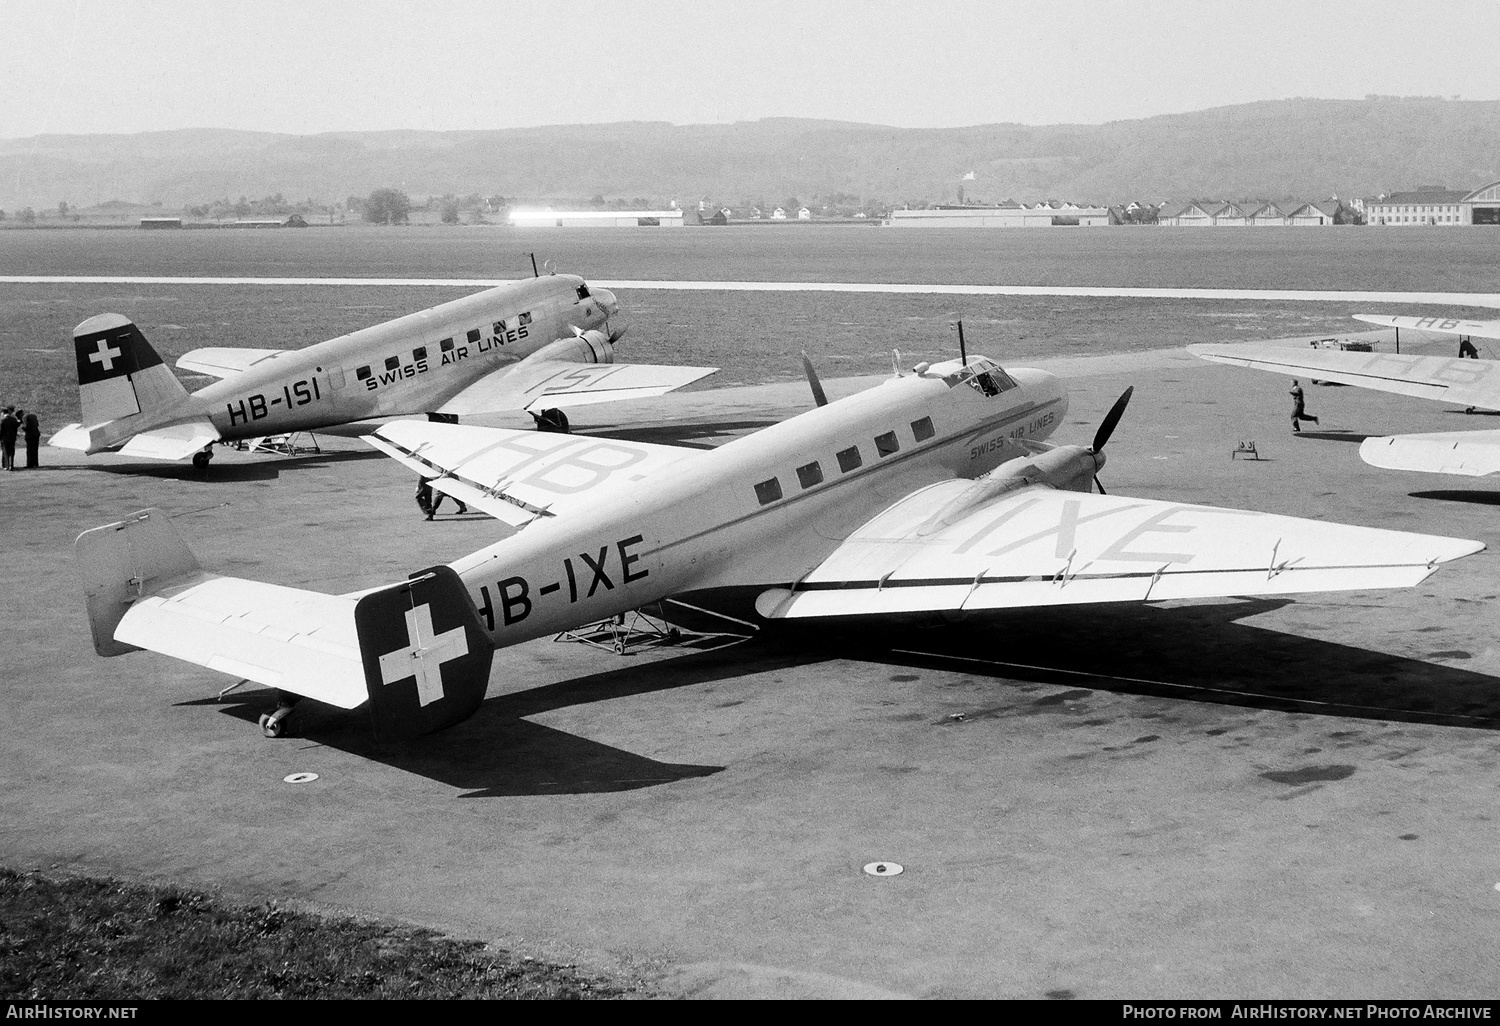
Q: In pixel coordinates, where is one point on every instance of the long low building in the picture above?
(596, 218)
(1434, 205)
(1042, 215)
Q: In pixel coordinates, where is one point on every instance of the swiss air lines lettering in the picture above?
(579, 577)
(450, 350)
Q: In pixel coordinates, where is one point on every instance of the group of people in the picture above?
(16, 423)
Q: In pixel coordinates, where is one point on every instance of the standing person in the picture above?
(424, 495)
(1466, 348)
(1298, 412)
(33, 434)
(8, 431)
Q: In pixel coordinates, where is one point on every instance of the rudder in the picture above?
(120, 375)
(426, 657)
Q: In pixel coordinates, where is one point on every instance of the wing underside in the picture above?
(1470, 382)
(1038, 546)
(537, 385)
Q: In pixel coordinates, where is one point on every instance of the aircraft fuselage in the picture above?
(681, 528)
(409, 365)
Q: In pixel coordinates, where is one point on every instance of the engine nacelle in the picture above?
(1068, 468)
(588, 347)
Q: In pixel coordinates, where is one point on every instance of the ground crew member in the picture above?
(33, 434)
(1298, 413)
(1466, 348)
(9, 428)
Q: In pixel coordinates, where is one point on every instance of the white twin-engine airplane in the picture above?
(1472, 383)
(534, 344)
(932, 491)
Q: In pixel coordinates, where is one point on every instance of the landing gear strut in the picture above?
(273, 724)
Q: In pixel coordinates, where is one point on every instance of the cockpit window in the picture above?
(583, 292)
(982, 375)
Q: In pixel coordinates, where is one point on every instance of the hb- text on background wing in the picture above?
(1038, 546)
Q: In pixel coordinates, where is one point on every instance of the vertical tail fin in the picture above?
(120, 376)
(426, 657)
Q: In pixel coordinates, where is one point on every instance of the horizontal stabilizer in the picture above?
(174, 442)
(1038, 546)
(517, 476)
(1443, 325)
(1446, 379)
(223, 362)
(543, 384)
(1471, 453)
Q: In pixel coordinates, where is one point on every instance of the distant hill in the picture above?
(1302, 147)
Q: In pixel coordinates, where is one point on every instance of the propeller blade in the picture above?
(1112, 418)
(1099, 485)
(812, 380)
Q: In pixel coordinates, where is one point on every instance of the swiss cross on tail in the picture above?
(426, 658)
(106, 347)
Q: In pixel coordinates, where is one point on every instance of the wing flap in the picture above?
(1471, 453)
(224, 362)
(553, 383)
(1038, 546)
(174, 442)
(299, 641)
(517, 476)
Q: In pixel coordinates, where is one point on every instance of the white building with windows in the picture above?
(1429, 205)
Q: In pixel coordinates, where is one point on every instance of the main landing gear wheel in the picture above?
(200, 459)
(274, 724)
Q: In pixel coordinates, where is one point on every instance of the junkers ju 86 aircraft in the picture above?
(1473, 383)
(933, 491)
(535, 344)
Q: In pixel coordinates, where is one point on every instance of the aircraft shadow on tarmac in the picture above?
(1203, 654)
(498, 752)
(1198, 653)
(230, 473)
(1331, 435)
(1475, 495)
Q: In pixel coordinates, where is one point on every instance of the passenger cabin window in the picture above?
(446, 345)
(419, 353)
(810, 474)
(363, 372)
(922, 430)
(473, 334)
(392, 362)
(768, 491)
(583, 292)
(886, 444)
(849, 459)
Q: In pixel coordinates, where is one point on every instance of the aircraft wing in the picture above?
(517, 476)
(544, 384)
(1038, 546)
(174, 442)
(225, 362)
(1469, 382)
(1473, 453)
(1445, 325)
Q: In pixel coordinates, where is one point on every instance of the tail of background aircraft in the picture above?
(123, 386)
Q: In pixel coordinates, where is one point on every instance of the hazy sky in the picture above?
(74, 66)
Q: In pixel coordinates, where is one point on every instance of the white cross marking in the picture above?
(105, 357)
(448, 646)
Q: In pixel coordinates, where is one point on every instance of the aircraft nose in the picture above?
(607, 302)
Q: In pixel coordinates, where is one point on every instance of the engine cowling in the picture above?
(1067, 468)
(587, 347)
